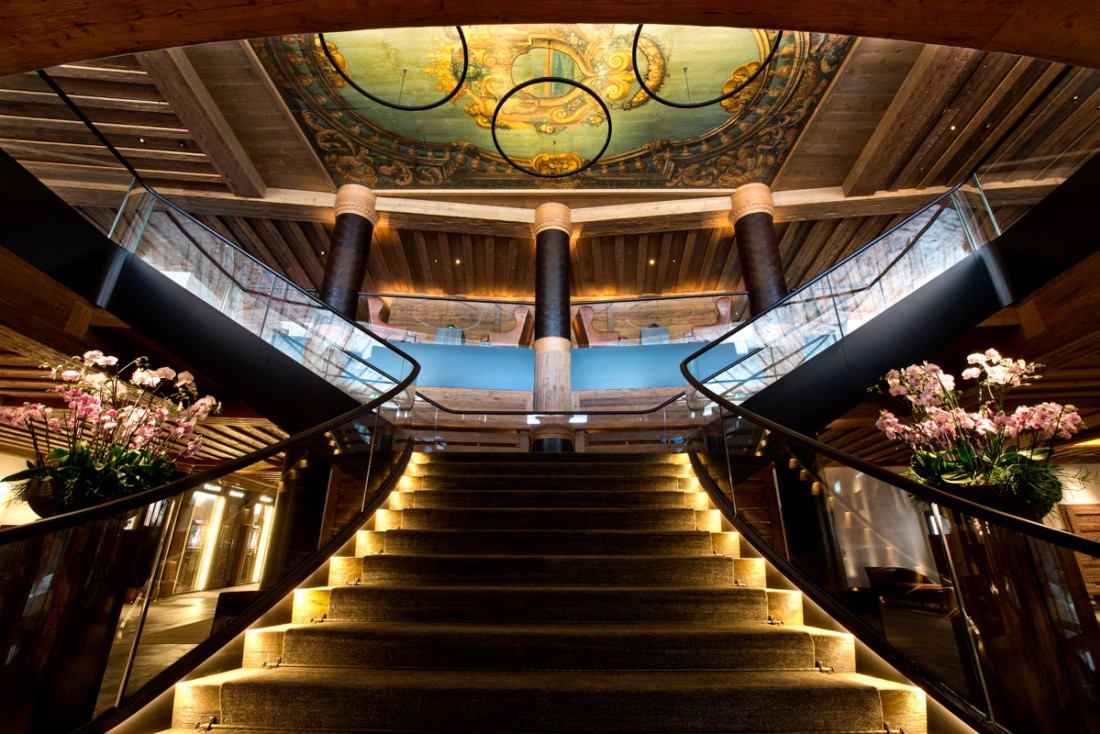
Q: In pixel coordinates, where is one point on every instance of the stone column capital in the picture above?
(750, 199)
(553, 216)
(357, 199)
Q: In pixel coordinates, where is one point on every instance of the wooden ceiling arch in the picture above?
(34, 34)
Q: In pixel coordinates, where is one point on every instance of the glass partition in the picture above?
(97, 610)
(987, 611)
(760, 351)
(256, 297)
(625, 322)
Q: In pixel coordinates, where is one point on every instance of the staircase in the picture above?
(557, 593)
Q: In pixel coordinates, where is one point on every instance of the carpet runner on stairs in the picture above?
(547, 593)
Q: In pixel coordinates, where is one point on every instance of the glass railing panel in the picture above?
(469, 322)
(261, 301)
(63, 596)
(843, 299)
(997, 621)
(1029, 612)
(664, 421)
(98, 610)
(223, 547)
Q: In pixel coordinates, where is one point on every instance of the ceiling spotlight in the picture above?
(457, 261)
(652, 261)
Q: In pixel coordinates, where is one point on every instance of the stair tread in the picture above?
(625, 680)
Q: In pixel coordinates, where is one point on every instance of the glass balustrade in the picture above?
(986, 609)
(256, 297)
(98, 609)
(504, 323)
(760, 351)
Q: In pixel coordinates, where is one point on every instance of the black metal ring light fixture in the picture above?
(694, 105)
(394, 105)
(543, 80)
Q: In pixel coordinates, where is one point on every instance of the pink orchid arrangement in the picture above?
(115, 436)
(988, 446)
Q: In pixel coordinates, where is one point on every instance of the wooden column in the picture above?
(553, 381)
(753, 222)
(346, 266)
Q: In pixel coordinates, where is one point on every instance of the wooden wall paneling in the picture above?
(420, 262)
(1000, 111)
(609, 279)
(664, 261)
(389, 248)
(598, 282)
(687, 262)
(705, 279)
(470, 283)
(935, 79)
(293, 234)
(962, 122)
(447, 262)
(522, 279)
(259, 117)
(176, 77)
(288, 258)
(506, 276)
(808, 250)
(729, 273)
(1013, 160)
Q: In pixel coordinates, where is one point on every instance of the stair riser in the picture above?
(608, 650)
(487, 604)
(549, 519)
(534, 570)
(580, 482)
(425, 499)
(503, 542)
(464, 708)
(539, 469)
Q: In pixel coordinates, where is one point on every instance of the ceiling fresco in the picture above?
(553, 128)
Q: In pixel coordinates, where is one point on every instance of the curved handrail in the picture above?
(165, 491)
(640, 411)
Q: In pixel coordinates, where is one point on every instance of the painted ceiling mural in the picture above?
(553, 127)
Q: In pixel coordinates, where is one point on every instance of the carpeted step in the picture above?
(545, 542)
(549, 518)
(310, 699)
(468, 498)
(426, 603)
(548, 646)
(575, 570)
(564, 482)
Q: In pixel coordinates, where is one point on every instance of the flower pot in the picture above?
(43, 498)
(1002, 498)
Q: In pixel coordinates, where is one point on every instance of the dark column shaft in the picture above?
(346, 265)
(553, 381)
(757, 246)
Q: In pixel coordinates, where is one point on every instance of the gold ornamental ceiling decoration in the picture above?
(553, 127)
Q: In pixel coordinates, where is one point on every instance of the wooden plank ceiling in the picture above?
(206, 127)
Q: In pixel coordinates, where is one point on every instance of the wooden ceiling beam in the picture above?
(420, 214)
(925, 96)
(181, 85)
